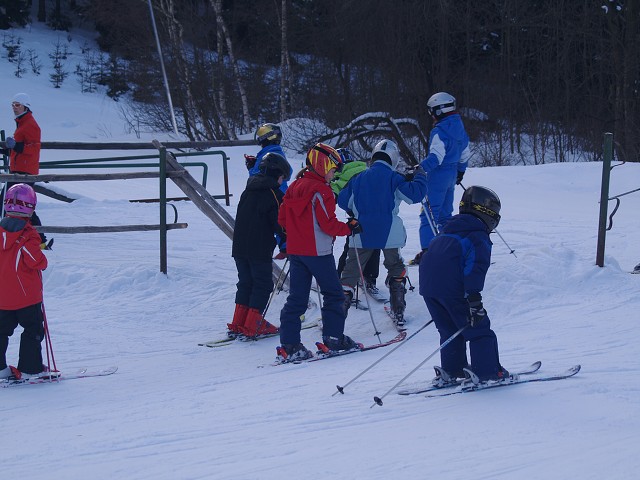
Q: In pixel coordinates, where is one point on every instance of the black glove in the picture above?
(354, 226)
(10, 142)
(477, 313)
(459, 179)
(249, 161)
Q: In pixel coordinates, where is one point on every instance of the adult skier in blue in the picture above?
(445, 166)
(374, 198)
(452, 276)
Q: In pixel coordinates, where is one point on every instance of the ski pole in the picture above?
(378, 400)
(48, 344)
(511, 250)
(375, 329)
(278, 286)
(341, 389)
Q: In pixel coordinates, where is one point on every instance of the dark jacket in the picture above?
(257, 219)
(457, 260)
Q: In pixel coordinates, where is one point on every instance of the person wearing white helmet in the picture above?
(445, 165)
(24, 147)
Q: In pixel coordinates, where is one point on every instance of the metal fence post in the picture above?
(604, 197)
(163, 210)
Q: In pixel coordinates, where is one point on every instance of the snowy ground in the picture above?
(178, 411)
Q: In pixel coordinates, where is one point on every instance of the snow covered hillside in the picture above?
(175, 410)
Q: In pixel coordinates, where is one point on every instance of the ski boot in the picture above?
(256, 325)
(336, 344)
(348, 297)
(397, 291)
(239, 318)
(444, 379)
(291, 352)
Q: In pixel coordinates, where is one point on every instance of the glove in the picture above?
(354, 226)
(477, 313)
(249, 161)
(282, 254)
(10, 142)
(418, 170)
(459, 179)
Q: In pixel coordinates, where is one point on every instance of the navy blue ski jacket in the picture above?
(456, 263)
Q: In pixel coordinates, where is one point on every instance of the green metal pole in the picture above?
(226, 178)
(604, 197)
(163, 210)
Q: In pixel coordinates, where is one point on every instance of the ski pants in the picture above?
(370, 271)
(451, 314)
(255, 282)
(393, 262)
(32, 321)
(441, 183)
(302, 269)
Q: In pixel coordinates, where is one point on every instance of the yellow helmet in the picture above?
(322, 158)
(268, 134)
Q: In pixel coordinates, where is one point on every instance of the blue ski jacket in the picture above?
(448, 146)
(456, 263)
(374, 198)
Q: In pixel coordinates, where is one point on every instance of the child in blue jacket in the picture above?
(452, 275)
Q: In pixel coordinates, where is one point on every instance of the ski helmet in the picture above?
(386, 150)
(321, 158)
(268, 134)
(440, 104)
(20, 200)
(275, 162)
(345, 155)
(482, 203)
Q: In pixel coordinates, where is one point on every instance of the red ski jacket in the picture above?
(27, 135)
(21, 262)
(308, 215)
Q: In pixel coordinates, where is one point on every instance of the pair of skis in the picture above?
(526, 375)
(80, 373)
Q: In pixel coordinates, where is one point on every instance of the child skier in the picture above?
(351, 168)
(269, 136)
(253, 244)
(21, 263)
(308, 217)
(452, 275)
(374, 197)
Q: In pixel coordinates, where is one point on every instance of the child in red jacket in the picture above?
(308, 215)
(21, 265)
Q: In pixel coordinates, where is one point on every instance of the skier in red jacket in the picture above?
(21, 265)
(308, 216)
(24, 148)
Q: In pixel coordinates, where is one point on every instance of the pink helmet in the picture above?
(20, 200)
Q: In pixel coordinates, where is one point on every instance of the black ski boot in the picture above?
(348, 297)
(396, 291)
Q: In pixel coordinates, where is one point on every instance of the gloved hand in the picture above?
(477, 313)
(10, 142)
(459, 179)
(282, 254)
(249, 161)
(354, 226)
(418, 170)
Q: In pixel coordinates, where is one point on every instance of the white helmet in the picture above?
(386, 150)
(441, 103)
(22, 99)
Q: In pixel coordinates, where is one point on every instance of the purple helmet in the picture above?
(20, 200)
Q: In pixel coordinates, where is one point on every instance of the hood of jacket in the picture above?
(452, 126)
(10, 232)
(302, 191)
(464, 222)
(262, 182)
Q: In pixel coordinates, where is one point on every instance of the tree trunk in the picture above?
(42, 11)
(217, 6)
(285, 65)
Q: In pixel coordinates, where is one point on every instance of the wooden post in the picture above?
(604, 197)
(163, 210)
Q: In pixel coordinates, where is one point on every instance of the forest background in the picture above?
(536, 80)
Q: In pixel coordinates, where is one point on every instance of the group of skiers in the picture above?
(301, 220)
(455, 250)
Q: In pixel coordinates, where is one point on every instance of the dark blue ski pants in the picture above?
(450, 315)
(302, 269)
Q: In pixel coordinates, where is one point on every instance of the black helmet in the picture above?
(482, 203)
(276, 163)
(268, 134)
